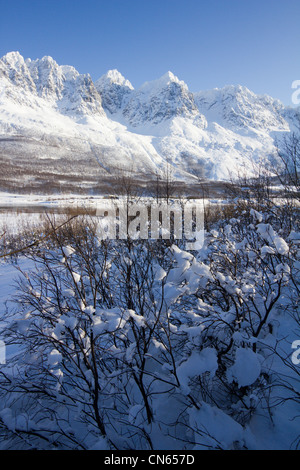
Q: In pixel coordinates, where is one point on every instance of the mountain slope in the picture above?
(58, 125)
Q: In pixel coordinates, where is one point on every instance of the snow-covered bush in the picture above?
(141, 345)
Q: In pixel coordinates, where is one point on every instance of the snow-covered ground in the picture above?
(9, 275)
(68, 201)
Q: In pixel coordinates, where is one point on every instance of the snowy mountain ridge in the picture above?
(213, 134)
(62, 85)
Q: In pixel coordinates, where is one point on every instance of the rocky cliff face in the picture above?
(115, 91)
(61, 87)
(160, 100)
(236, 107)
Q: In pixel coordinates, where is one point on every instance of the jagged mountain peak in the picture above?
(69, 72)
(164, 81)
(14, 69)
(161, 100)
(241, 93)
(13, 58)
(47, 65)
(114, 90)
(114, 77)
(47, 76)
(237, 107)
(60, 86)
(46, 59)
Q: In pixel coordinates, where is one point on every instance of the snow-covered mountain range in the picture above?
(55, 121)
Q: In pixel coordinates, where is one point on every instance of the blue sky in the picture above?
(207, 44)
